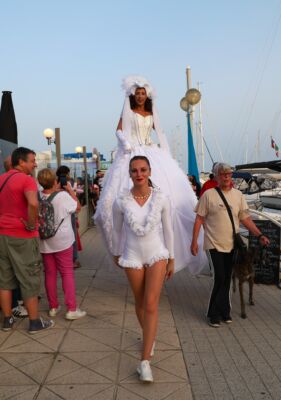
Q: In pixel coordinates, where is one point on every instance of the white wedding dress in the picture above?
(165, 174)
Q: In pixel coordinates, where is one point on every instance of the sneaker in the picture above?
(19, 312)
(227, 320)
(214, 323)
(54, 311)
(71, 315)
(144, 371)
(39, 325)
(8, 323)
(152, 349)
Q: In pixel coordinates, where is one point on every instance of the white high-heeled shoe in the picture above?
(144, 371)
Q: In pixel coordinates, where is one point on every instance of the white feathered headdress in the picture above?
(132, 82)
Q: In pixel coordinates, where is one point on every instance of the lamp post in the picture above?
(96, 157)
(187, 103)
(54, 137)
(82, 150)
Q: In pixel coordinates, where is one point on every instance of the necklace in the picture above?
(142, 197)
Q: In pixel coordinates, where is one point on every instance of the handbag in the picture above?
(240, 246)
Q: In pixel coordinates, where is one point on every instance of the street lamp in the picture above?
(79, 150)
(54, 137)
(49, 135)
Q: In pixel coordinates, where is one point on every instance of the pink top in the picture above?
(13, 204)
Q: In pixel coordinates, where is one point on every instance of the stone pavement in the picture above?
(95, 357)
(237, 361)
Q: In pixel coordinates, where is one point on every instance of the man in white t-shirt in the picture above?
(218, 238)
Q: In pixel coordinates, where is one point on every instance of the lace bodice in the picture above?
(141, 129)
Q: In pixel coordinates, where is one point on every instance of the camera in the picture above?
(62, 180)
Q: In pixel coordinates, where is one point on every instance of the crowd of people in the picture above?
(148, 213)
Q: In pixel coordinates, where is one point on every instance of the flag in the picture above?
(275, 146)
(192, 162)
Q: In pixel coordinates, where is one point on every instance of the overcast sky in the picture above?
(64, 62)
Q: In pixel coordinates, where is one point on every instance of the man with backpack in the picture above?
(20, 261)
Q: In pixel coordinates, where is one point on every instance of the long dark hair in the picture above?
(147, 104)
(142, 158)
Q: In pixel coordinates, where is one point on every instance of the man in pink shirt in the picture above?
(20, 261)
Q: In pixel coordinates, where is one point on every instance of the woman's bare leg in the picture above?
(154, 278)
(136, 278)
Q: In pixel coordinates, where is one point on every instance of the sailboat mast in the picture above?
(201, 138)
(188, 85)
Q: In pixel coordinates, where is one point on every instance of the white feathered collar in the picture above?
(153, 217)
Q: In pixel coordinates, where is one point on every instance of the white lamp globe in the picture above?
(48, 133)
(78, 149)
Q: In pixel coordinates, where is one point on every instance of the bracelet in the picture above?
(260, 236)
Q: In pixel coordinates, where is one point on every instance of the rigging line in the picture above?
(262, 72)
(208, 150)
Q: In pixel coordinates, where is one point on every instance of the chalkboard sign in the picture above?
(267, 270)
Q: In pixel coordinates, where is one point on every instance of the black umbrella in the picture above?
(8, 127)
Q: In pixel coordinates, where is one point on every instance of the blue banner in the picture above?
(192, 162)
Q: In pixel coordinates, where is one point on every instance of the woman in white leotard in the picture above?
(139, 117)
(147, 253)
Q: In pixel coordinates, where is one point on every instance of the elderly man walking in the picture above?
(219, 238)
(20, 261)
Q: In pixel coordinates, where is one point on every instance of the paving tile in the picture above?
(131, 340)
(22, 359)
(125, 394)
(4, 366)
(174, 365)
(79, 376)
(46, 394)
(89, 358)
(14, 339)
(51, 339)
(75, 341)
(13, 375)
(38, 369)
(107, 366)
(61, 367)
(28, 395)
(75, 391)
(109, 337)
(183, 393)
(92, 322)
(107, 394)
(15, 391)
(155, 391)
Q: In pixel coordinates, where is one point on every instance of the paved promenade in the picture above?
(95, 357)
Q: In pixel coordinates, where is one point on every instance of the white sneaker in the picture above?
(54, 311)
(19, 312)
(152, 349)
(71, 315)
(144, 371)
